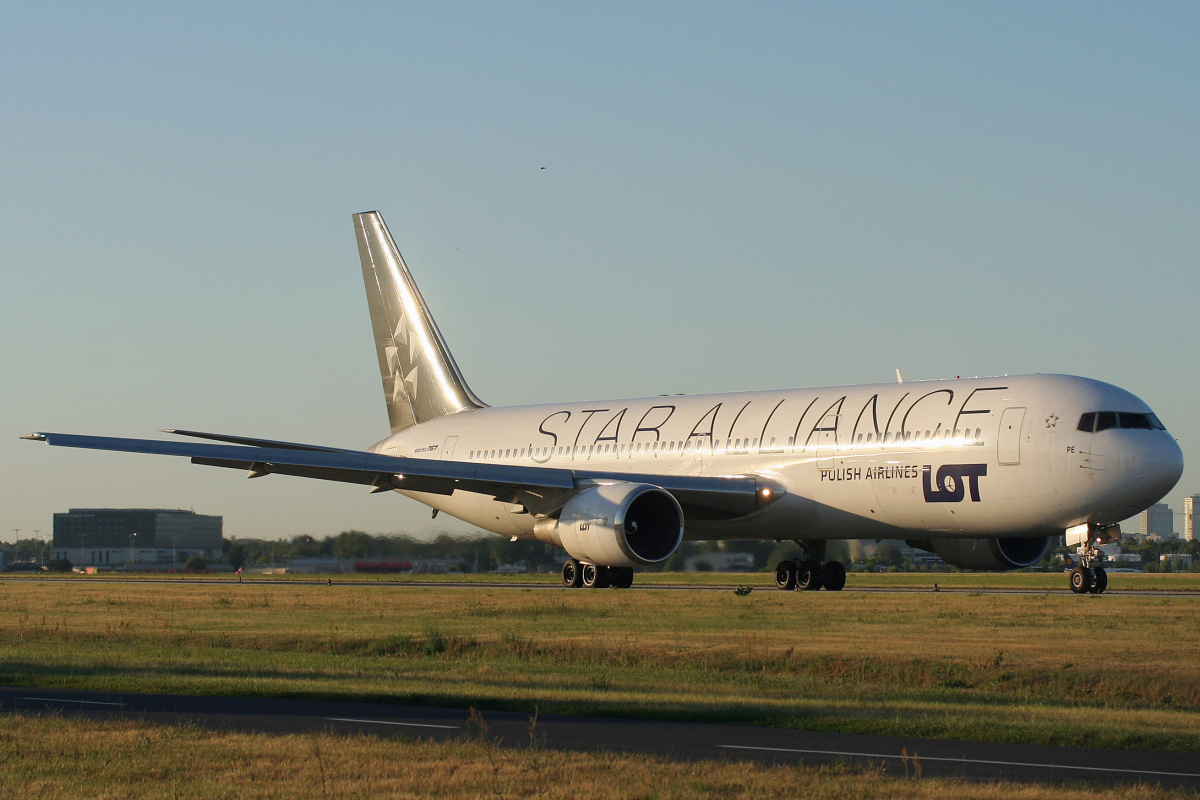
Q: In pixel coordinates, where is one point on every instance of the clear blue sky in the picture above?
(735, 197)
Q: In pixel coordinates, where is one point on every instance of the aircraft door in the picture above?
(1008, 443)
(448, 448)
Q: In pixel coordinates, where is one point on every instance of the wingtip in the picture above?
(35, 437)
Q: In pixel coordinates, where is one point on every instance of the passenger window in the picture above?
(1087, 423)
(1105, 420)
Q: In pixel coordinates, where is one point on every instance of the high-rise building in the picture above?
(1191, 517)
(112, 536)
(1158, 521)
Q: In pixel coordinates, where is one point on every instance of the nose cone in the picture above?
(1158, 464)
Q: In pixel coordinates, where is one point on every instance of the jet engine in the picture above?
(1011, 552)
(617, 525)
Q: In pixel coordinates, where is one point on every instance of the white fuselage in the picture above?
(964, 457)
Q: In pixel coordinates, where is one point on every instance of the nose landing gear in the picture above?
(1089, 576)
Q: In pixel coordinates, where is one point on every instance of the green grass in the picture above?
(1106, 671)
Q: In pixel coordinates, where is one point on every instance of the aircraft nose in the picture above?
(1158, 463)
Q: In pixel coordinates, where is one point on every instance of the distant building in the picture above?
(109, 537)
(1158, 522)
(1191, 517)
(719, 562)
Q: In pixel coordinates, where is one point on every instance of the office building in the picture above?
(1191, 516)
(108, 537)
(1158, 522)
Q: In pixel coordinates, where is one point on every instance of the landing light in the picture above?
(766, 492)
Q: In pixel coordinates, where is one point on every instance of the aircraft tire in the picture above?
(785, 575)
(1099, 580)
(1081, 580)
(622, 577)
(835, 576)
(595, 576)
(809, 577)
(572, 574)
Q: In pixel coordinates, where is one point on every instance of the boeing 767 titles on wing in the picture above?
(985, 472)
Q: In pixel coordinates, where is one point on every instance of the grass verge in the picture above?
(1105, 671)
(53, 757)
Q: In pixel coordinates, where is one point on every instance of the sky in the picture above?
(734, 196)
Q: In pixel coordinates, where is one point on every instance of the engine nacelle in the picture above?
(617, 525)
(1011, 552)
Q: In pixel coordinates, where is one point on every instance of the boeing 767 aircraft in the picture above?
(985, 472)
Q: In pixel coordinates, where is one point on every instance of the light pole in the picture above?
(132, 536)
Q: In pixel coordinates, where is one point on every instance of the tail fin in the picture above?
(420, 379)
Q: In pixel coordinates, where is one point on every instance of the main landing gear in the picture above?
(809, 570)
(1089, 576)
(592, 576)
(809, 576)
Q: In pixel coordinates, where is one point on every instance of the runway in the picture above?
(683, 741)
(257, 580)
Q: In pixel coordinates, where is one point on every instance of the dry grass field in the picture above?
(1113, 671)
(53, 758)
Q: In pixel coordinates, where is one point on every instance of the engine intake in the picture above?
(1012, 552)
(617, 525)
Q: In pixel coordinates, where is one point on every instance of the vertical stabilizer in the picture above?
(420, 379)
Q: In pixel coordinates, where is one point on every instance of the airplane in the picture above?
(987, 473)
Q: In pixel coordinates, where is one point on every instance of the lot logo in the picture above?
(951, 482)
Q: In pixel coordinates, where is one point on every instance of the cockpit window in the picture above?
(1103, 420)
(1135, 421)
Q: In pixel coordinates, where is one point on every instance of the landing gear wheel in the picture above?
(785, 575)
(835, 576)
(595, 577)
(1081, 580)
(572, 574)
(1099, 580)
(622, 577)
(809, 576)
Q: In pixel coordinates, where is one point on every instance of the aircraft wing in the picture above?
(542, 490)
